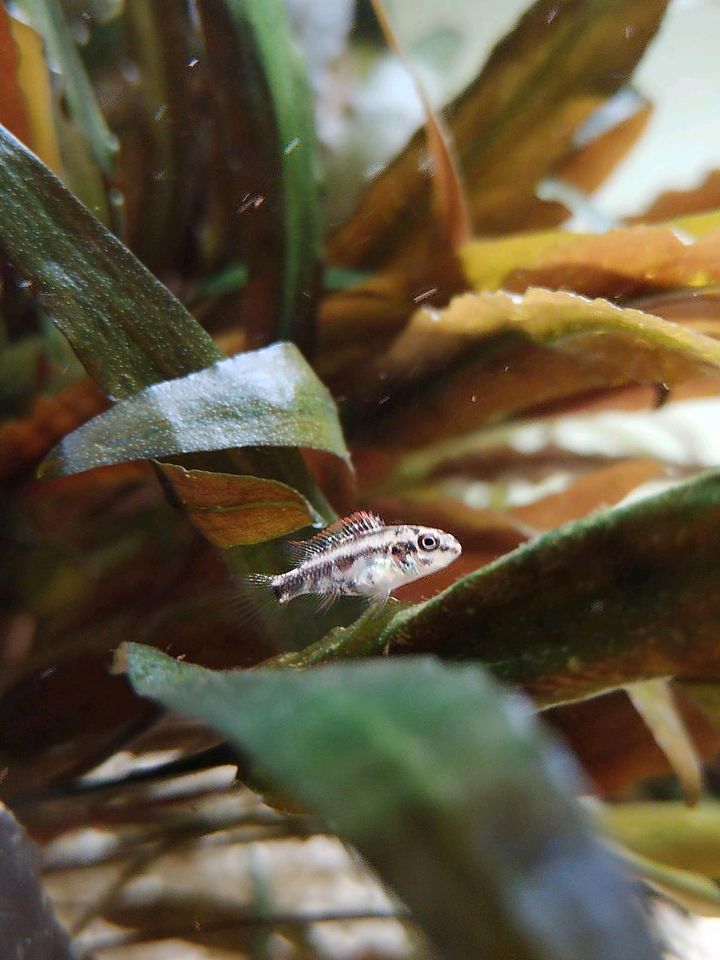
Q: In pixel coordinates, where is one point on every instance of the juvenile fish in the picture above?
(361, 556)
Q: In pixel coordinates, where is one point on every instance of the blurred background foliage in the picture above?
(265, 263)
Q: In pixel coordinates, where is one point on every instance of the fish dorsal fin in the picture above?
(346, 529)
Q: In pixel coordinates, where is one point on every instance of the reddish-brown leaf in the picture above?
(493, 355)
(680, 203)
(24, 442)
(231, 510)
(511, 127)
(622, 263)
(13, 112)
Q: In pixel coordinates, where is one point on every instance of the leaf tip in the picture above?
(121, 662)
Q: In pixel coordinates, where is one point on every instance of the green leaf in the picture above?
(442, 782)
(232, 510)
(263, 398)
(264, 114)
(162, 148)
(48, 17)
(127, 328)
(623, 595)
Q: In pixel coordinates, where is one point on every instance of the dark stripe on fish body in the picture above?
(329, 566)
(345, 562)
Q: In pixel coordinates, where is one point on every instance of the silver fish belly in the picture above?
(362, 556)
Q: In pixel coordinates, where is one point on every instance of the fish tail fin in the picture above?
(255, 598)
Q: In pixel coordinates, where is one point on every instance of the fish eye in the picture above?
(426, 541)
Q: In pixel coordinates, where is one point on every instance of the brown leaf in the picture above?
(231, 510)
(494, 355)
(587, 167)
(450, 197)
(680, 203)
(24, 442)
(511, 127)
(614, 745)
(13, 113)
(696, 308)
(621, 263)
(355, 325)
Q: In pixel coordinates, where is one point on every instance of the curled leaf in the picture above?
(491, 355)
(232, 510)
(263, 398)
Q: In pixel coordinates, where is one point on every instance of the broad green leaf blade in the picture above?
(232, 510)
(442, 782)
(624, 595)
(127, 328)
(512, 127)
(264, 114)
(263, 398)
